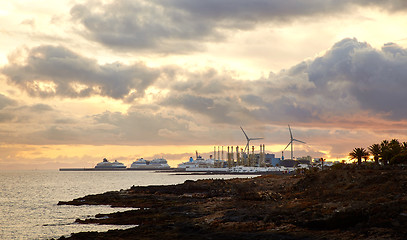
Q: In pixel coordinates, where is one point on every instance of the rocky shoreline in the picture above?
(340, 203)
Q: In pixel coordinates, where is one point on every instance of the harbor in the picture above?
(224, 159)
(234, 163)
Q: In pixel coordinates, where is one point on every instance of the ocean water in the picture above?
(28, 199)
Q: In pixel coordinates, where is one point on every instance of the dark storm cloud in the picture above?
(389, 5)
(141, 25)
(351, 85)
(185, 25)
(211, 93)
(207, 82)
(218, 109)
(49, 71)
(350, 79)
(376, 79)
(242, 14)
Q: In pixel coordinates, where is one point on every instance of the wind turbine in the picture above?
(248, 141)
(292, 140)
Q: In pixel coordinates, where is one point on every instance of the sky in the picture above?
(85, 80)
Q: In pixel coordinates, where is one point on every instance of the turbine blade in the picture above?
(299, 141)
(291, 134)
(287, 146)
(256, 138)
(245, 134)
(247, 147)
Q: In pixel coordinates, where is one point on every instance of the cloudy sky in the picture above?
(84, 80)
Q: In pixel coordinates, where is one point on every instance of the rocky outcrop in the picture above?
(332, 204)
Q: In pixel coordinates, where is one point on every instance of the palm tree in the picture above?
(390, 150)
(385, 152)
(396, 146)
(375, 150)
(358, 153)
(398, 154)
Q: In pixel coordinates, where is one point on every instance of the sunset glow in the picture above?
(84, 80)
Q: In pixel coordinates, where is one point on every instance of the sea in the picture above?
(28, 199)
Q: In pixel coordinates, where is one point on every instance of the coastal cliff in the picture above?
(339, 203)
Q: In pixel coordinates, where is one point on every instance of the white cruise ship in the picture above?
(157, 163)
(200, 164)
(105, 164)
